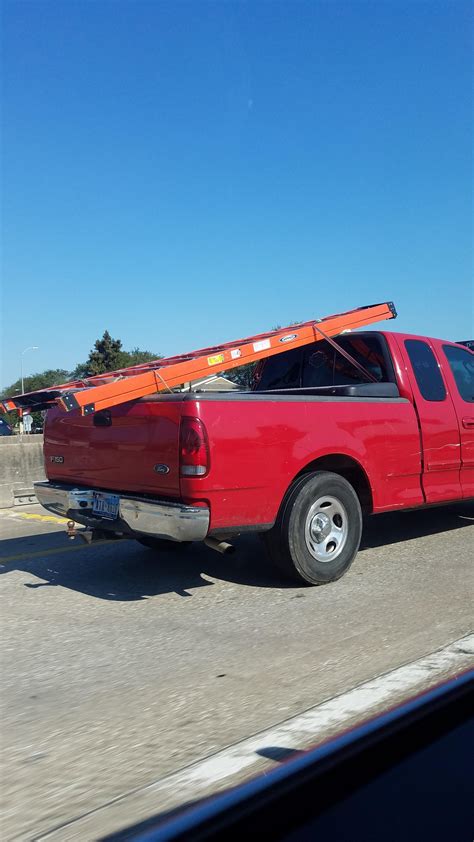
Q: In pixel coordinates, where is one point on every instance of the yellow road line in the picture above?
(13, 513)
(54, 551)
(42, 518)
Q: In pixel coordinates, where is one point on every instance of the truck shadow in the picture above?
(394, 527)
(124, 571)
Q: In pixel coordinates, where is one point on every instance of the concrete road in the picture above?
(121, 667)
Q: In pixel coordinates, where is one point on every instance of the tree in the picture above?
(108, 355)
(51, 377)
(136, 357)
(80, 372)
(41, 380)
(105, 355)
(243, 375)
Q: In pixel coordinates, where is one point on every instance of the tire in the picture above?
(318, 530)
(162, 544)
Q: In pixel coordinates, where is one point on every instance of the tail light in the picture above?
(193, 448)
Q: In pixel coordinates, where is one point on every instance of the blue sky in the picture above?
(186, 173)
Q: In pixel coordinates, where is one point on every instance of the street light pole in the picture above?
(30, 348)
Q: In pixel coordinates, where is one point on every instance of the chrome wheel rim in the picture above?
(326, 528)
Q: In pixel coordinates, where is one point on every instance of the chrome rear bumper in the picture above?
(160, 519)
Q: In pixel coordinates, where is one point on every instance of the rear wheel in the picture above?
(317, 534)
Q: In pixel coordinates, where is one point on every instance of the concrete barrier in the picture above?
(21, 464)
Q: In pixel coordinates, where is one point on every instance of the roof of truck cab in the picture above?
(403, 336)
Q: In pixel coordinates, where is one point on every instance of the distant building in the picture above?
(215, 383)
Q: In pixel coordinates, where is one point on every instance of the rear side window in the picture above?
(462, 366)
(319, 365)
(426, 368)
(324, 366)
(283, 371)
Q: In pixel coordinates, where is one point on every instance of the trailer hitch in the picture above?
(91, 536)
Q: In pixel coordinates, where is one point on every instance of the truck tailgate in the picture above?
(134, 446)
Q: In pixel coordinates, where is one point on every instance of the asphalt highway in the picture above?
(123, 669)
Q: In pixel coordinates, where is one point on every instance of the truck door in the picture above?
(439, 430)
(458, 368)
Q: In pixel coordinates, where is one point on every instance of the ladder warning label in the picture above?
(216, 359)
(261, 346)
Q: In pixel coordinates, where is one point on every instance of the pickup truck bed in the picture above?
(299, 458)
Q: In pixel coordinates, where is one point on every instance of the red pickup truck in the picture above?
(313, 446)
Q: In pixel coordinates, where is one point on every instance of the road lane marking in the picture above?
(54, 551)
(42, 518)
(302, 731)
(30, 516)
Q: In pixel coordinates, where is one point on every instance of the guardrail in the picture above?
(21, 464)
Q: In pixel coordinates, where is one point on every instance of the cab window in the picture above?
(461, 363)
(426, 370)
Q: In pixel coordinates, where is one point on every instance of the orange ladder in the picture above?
(115, 387)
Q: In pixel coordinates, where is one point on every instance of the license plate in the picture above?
(105, 505)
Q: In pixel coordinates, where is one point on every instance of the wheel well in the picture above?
(348, 468)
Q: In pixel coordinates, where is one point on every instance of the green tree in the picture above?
(105, 355)
(243, 375)
(41, 380)
(122, 359)
(136, 356)
(79, 372)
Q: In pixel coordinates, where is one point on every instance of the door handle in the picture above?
(468, 423)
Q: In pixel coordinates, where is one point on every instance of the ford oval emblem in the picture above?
(161, 469)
